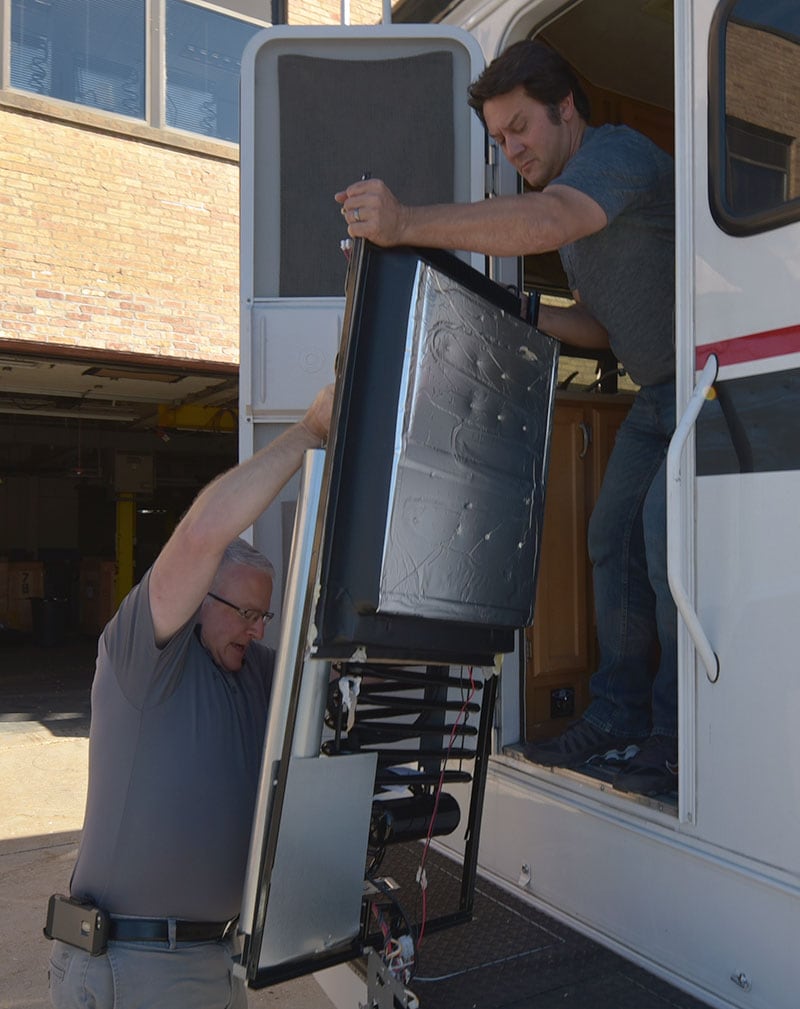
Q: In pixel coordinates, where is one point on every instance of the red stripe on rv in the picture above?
(774, 343)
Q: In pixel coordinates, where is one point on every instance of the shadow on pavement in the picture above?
(46, 686)
(31, 868)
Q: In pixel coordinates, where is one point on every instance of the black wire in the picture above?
(376, 855)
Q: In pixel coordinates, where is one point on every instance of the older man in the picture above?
(179, 706)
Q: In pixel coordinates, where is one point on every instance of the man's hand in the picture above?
(317, 419)
(373, 211)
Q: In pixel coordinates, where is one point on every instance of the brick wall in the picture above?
(115, 244)
(323, 12)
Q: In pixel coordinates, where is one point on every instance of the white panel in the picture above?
(743, 284)
(317, 880)
(295, 342)
(645, 887)
(748, 591)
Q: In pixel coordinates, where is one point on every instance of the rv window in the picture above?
(754, 119)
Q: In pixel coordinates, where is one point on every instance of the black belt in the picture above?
(157, 930)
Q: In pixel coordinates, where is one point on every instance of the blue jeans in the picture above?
(635, 689)
(147, 975)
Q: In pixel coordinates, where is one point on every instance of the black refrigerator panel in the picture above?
(437, 464)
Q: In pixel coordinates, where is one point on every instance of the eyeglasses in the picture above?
(249, 616)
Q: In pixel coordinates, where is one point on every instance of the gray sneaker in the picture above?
(580, 743)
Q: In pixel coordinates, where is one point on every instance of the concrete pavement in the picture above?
(43, 768)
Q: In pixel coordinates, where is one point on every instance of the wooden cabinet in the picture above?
(561, 646)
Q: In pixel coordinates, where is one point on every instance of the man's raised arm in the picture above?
(183, 571)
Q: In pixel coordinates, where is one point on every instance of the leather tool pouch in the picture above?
(82, 925)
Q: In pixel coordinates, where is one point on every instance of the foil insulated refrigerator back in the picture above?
(415, 549)
(440, 451)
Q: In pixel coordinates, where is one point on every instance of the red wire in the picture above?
(421, 878)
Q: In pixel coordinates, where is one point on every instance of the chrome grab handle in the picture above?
(674, 454)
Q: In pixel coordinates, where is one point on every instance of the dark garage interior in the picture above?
(98, 460)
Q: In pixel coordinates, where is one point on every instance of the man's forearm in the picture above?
(183, 571)
(232, 502)
(573, 325)
(497, 227)
(503, 226)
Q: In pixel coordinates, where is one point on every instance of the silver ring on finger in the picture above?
(356, 215)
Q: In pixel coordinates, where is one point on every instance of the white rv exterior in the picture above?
(708, 895)
(705, 893)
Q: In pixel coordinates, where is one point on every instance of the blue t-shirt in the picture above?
(625, 274)
(174, 761)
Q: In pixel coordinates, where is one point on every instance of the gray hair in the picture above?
(239, 551)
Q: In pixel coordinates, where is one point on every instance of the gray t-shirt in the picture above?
(625, 274)
(174, 759)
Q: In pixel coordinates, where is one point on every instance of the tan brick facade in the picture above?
(119, 245)
(322, 12)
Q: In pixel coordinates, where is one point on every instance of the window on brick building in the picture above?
(91, 52)
(754, 117)
(204, 51)
(98, 53)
